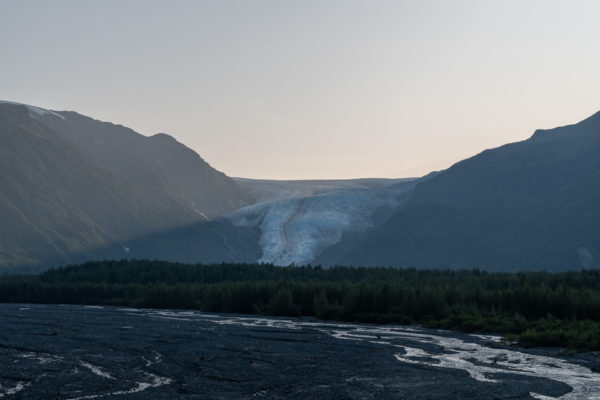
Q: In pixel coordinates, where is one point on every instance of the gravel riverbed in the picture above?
(75, 352)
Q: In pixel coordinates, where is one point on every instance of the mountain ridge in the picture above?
(158, 164)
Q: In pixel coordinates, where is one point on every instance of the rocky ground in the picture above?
(74, 352)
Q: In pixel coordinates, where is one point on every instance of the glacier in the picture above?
(300, 219)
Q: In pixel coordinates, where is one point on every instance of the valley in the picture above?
(328, 200)
(76, 189)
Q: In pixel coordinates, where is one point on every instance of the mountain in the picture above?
(157, 165)
(73, 188)
(534, 204)
(62, 199)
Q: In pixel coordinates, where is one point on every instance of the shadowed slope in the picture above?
(56, 203)
(158, 165)
(531, 204)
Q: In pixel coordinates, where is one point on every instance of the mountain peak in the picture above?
(33, 110)
(589, 122)
(164, 136)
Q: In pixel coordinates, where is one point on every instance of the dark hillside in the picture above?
(534, 204)
(158, 165)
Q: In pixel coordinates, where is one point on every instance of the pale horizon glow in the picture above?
(311, 89)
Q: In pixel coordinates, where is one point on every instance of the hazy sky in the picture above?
(311, 89)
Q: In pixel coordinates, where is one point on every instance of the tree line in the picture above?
(532, 308)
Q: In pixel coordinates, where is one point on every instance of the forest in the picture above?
(530, 308)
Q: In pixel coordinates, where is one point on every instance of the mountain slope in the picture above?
(532, 204)
(58, 205)
(55, 203)
(158, 165)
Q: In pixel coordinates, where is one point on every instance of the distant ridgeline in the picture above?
(533, 308)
